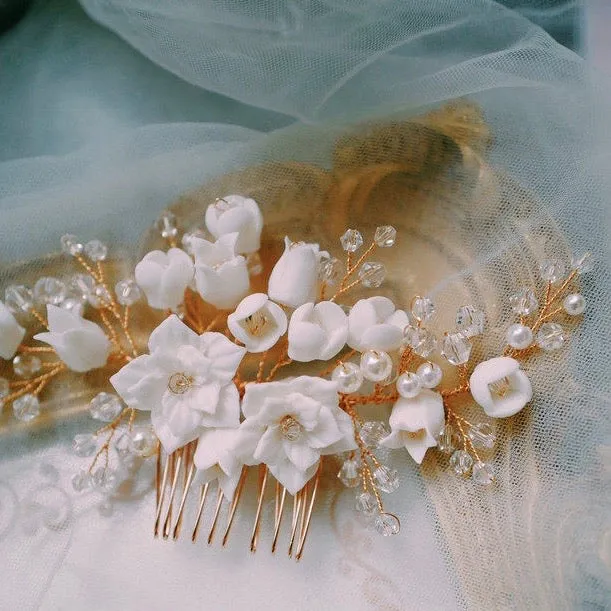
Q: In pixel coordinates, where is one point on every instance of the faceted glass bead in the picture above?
(385, 236)
(26, 407)
(96, 250)
(81, 481)
(70, 245)
(290, 428)
(372, 433)
(372, 274)
(104, 479)
(574, 304)
(122, 445)
(550, 336)
(84, 445)
(366, 504)
(387, 524)
(26, 365)
(387, 479)
(330, 271)
(408, 385)
(100, 298)
(18, 298)
(583, 264)
(72, 305)
(483, 474)
(352, 240)
(470, 321)
(81, 286)
(4, 389)
(254, 264)
(143, 442)
(105, 407)
(552, 270)
(524, 302)
(349, 473)
(376, 365)
(430, 374)
(456, 348)
(422, 308)
(482, 436)
(421, 340)
(348, 377)
(127, 292)
(49, 290)
(448, 440)
(166, 225)
(461, 462)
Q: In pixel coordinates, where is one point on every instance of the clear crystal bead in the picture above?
(49, 290)
(96, 250)
(376, 365)
(127, 292)
(456, 348)
(583, 264)
(330, 271)
(84, 445)
(105, 407)
(122, 444)
(387, 479)
(470, 321)
(5, 389)
(461, 462)
(448, 440)
(81, 286)
(72, 305)
(18, 298)
(104, 478)
(142, 442)
(421, 340)
(483, 474)
(349, 473)
(552, 270)
(366, 504)
(550, 336)
(254, 264)
(26, 407)
(71, 245)
(99, 298)
(387, 524)
(166, 225)
(81, 481)
(422, 308)
(372, 433)
(430, 374)
(372, 274)
(482, 436)
(524, 302)
(385, 236)
(26, 365)
(348, 377)
(352, 240)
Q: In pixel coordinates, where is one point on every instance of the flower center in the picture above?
(501, 387)
(257, 323)
(418, 435)
(290, 428)
(180, 383)
(222, 205)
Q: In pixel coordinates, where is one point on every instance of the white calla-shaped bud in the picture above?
(221, 276)
(258, 322)
(236, 214)
(11, 333)
(416, 423)
(317, 331)
(79, 343)
(375, 324)
(500, 387)
(164, 277)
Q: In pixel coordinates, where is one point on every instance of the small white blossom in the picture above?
(11, 333)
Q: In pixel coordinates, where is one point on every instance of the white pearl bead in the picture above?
(519, 336)
(376, 365)
(430, 374)
(574, 304)
(408, 385)
(348, 377)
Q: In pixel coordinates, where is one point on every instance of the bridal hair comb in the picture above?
(230, 384)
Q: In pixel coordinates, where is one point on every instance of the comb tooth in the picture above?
(296, 509)
(185, 493)
(280, 498)
(161, 491)
(219, 502)
(306, 527)
(234, 504)
(176, 472)
(255, 531)
(200, 509)
(158, 475)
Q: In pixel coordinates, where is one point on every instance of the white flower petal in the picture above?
(381, 337)
(171, 334)
(300, 454)
(224, 354)
(127, 379)
(227, 412)
(11, 333)
(306, 342)
(291, 477)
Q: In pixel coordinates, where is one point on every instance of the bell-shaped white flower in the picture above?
(164, 277)
(317, 331)
(257, 322)
(186, 382)
(221, 276)
(236, 214)
(375, 324)
(500, 387)
(11, 333)
(290, 424)
(294, 279)
(416, 423)
(80, 343)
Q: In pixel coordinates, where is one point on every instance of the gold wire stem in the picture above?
(263, 471)
(261, 367)
(374, 488)
(200, 510)
(467, 443)
(234, 505)
(215, 519)
(39, 317)
(350, 269)
(283, 362)
(213, 323)
(35, 385)
(322, 291)
(114, 338)
(88, 268)
(337, 363)
(43, 349)
(344, 290)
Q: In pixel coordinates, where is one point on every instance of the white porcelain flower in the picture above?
(186, 382)
(500, 387)
(221, 276)
(164, 277)
(235, 213)
(11, 333)
(294, 278)
(257, 322)
(80, 343)
(290, 424)
(317, 331)
(416, 423)
(375, 324)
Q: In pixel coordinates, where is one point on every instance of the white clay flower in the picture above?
(317, 331)
(257, 322)
(80, 343)
(236, 214)
(294, 278)
(11, 333)
(416, 423)
(375, 324)
(164, 277)
(500, 387)
(290, 424)
(186, 382)
(221, 276)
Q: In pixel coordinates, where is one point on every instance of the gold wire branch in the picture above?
(36, 385)
(351, 267)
